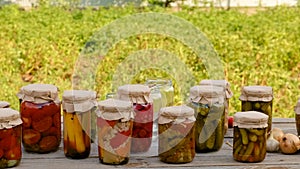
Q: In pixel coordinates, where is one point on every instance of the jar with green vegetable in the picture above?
(176, 134)
(250, 136)
(297, 117)
(258, 98)
(208, 104)
(228, 94)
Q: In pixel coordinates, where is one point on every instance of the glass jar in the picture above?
(176, 134)
(40, 113)
(10, 138)
(114, 123)
(297, 116)
(208, 103)
(258, 98)
(139, 96)
(228, 94)
(77, 109)
(166, 89)
(250, 136)
(4, 104)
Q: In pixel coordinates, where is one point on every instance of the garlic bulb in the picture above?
(272, 144)
(289, 143)
(277, 133)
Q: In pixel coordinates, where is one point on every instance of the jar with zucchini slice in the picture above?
(139, 96)
(228, 94)
(297, 117)
(258, 98)
(41, 115)
(250, 136)
(78, 106)
(176, 134)
(208, 104)
(114, 123)
(10, 138)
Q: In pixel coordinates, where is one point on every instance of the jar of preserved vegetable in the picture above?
(250, 136)
(77, 109)
(138, 95)
(208, 103)
(4, 104)
(176, 134)
(297, 117)
(10, 138)
(114, 123)
(258, 98)
(41, 116)
(228, 94)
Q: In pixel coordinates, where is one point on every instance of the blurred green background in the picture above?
(257, 46)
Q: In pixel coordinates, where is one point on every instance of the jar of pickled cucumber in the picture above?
(228, 94)
(4, 104)
(208, 104)
(114, 123)
(77, 109)
(250, 136)
(297, 116)
(41, 116)
(10, 138)
(139, 96)
(258, 98)
(176, 134)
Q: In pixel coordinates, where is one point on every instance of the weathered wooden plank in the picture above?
(213, 160)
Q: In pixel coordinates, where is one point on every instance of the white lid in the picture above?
(250, 119)
(78, 100)
(257, 93)
(220, 83)
(176, 114)
(39, 93)
(4, 104)
(135, 93)
(113, 109)
(9, 118)
(207, 94)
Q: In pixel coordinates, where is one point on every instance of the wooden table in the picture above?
(215, 160)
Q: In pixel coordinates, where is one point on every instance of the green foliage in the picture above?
(43, 44)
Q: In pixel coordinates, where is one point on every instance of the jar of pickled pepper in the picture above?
(250, 136)
(114, 123)
(10, 138)
(258, 98)
(297, 116)
(228, 94)
(138, 95)
(41, 116)
(77, 109)
(4, 104)
(176, 134)
(208, 103)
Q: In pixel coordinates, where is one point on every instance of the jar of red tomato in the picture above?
(4, 104)
(114, 123)
(40, 113)
(78, 105)
(138, 95)
(10, 138)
